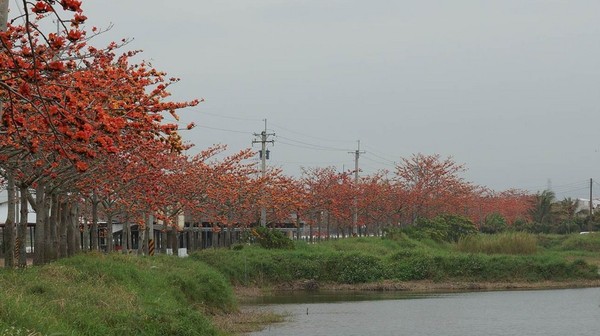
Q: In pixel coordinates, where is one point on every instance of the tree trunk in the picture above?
(141, 239)
(52, 247)
(175, 242)
(22, 229)
(297, 225)
(145, 234)
(9, 225)
(40, 225)
(328, 226)
(126, 235)
(109, 235)
(63, 223)
(86, 235)
(164, 238)
(72, 230)
(94, 222)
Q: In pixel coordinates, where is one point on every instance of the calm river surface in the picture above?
(524, 313)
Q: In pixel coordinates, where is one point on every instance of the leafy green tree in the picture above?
(458, 227)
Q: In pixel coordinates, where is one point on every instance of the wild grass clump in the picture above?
(517, 243)
(96, 294)
(582, 242)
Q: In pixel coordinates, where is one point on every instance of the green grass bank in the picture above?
(94, 294)
(499, 258)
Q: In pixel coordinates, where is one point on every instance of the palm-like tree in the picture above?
(569, 215)
(541, 210)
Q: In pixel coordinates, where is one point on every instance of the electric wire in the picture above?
(309, 136)
(378, 154)
(223, 129)
(203, 111)
(316, 147)
(379, 162)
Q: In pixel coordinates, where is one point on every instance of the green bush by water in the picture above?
(96, 294)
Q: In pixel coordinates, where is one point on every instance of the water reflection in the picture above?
(542, 312)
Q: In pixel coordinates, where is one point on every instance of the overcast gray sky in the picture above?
(510, 88)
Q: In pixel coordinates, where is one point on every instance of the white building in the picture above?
(584, 204)
(4, 209)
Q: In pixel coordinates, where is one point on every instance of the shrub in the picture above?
(272, 239)
(442, 228)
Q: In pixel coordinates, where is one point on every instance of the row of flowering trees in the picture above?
(83, 138)
(422, 186)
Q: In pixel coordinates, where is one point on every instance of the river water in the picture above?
(524, 313)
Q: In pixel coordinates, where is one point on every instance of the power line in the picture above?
(309, 136)
(309, 162)
(223, 129)
(382, 158)
(312, 146)
(203, 111)
(381, 154)
(561, 186)
(379, 162)
(571, 190)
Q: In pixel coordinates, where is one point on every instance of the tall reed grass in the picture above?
(515, 243)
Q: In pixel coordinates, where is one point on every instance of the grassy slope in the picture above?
(364, 260)
(114, 295)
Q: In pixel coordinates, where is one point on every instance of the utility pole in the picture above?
(591, 207)
(356, 153)
(264, 156)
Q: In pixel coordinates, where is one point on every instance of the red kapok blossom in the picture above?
(41, 7)
(72, 5)
(74, 35)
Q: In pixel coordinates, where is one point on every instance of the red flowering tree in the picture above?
(68, 105)
(433, 185)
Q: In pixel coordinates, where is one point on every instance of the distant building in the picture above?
(583, 204)
(4, 209)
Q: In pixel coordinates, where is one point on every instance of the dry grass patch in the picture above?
(245, 321)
